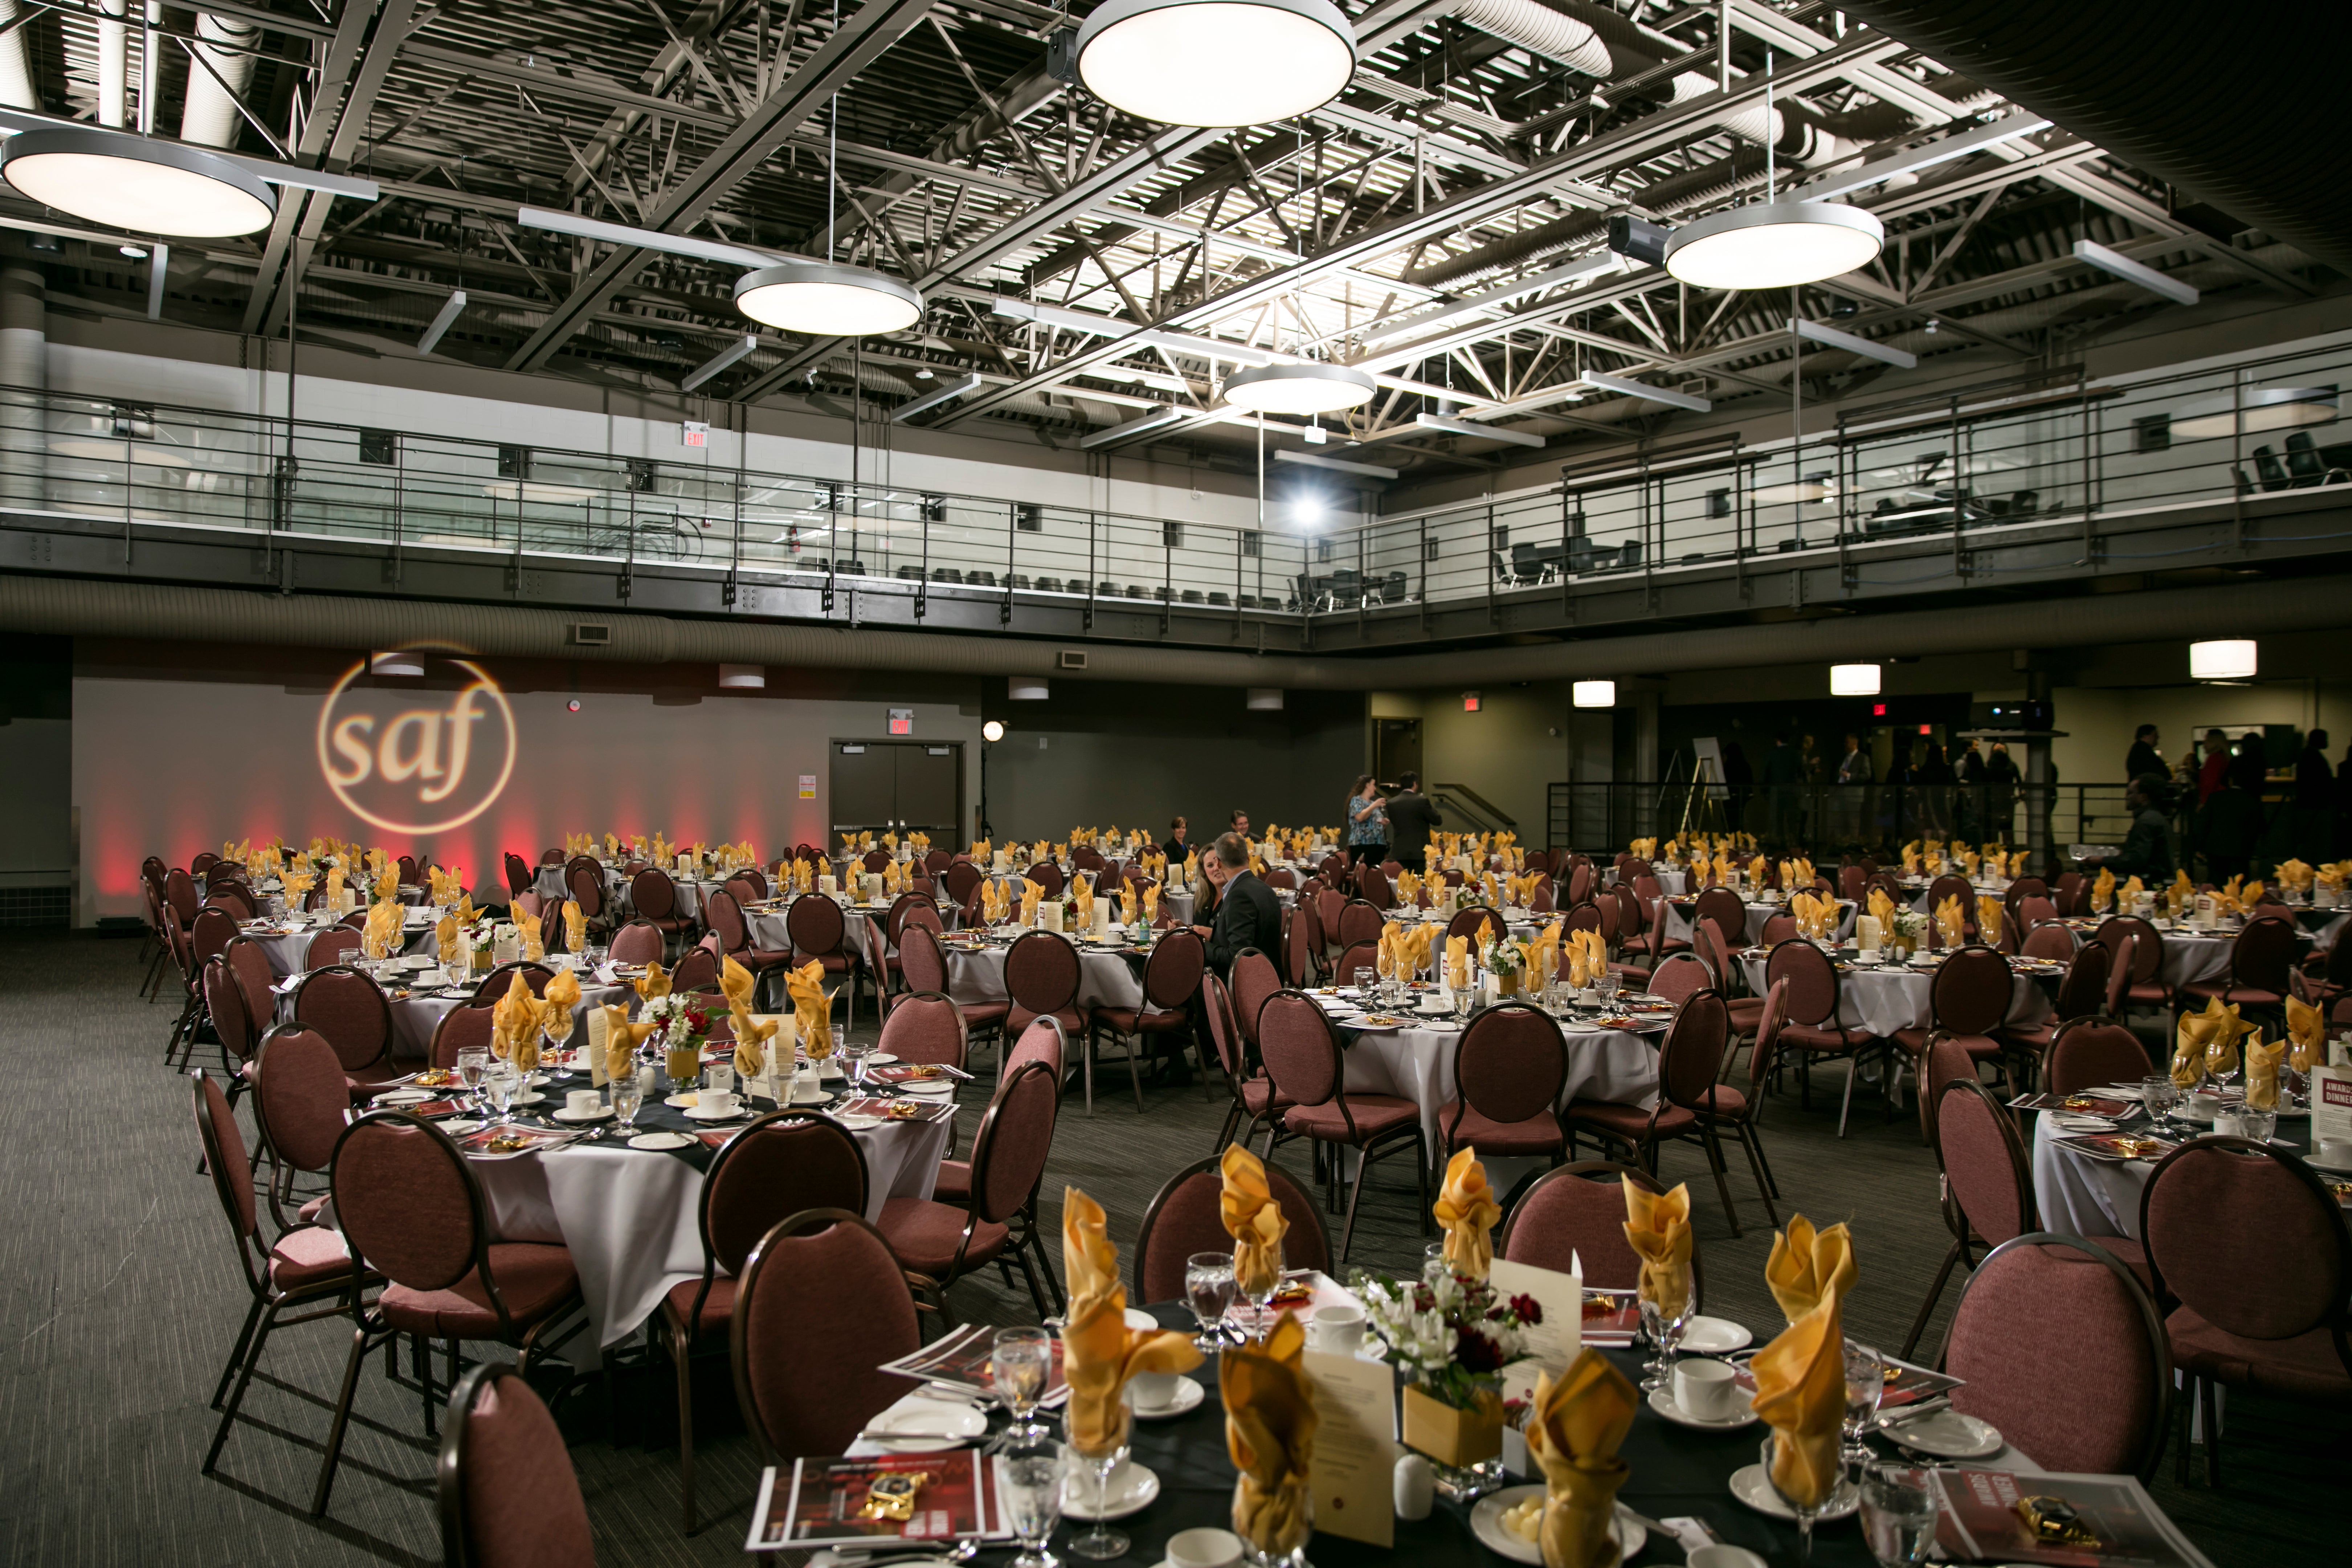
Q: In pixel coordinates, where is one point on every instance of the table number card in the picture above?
(1353, 1473)
(1552, 1344)
(2331, 1103)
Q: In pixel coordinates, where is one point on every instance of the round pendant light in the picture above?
(1593, 694)
(1853, 680)
(149, 187)
(819, 299)
(2227, 659)
(1309, 389)
(1773, 245)
(1217, 62)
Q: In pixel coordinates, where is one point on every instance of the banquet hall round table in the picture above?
(415, 1015)
(1107, 976)
(1679, 915)
(1887, 998)
(2075, 1193)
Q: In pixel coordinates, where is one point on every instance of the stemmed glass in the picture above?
(1367, 980)
(558, 1028)
(1256, 1296)
(2159, 1094)
(1463, 1001)
(503, 1085)
(1101, 1544)
(1019, 1362)
(1866, 1384)
(1209, 1290)
(1665, 1333)
(1032, 1499)
(1806, 1512)
(473, 1066)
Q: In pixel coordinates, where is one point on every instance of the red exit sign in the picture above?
(902, 720)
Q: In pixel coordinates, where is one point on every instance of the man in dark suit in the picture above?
(1248, 914)
(1411, 821)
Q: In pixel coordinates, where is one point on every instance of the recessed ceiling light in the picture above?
(1309, 389)
(819, 299)
(148, 188)
(1773, 245)
(1217, 62)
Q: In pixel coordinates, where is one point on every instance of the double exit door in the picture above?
(894, 786)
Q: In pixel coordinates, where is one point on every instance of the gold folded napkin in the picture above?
(1800, 1395)
(563, 991)
(2250, 895)
(1457, 962)
(751, 1037)
(465, 911)
(444, 937)
(1806, 1267)
(622, 1039)
(811, 1009)
(2262, 1073)
(1573, 1433)
(1657, 1226)
(1252, 1219)
(1100, 1351)
(1130, 905)
(1030, 893)
(1950, 924)
(2206, 1042)
(653, 982)
(575, 927)
(1082, 894)
(1882, 909)
(1408, 887)
(1270, 1423)
(1989, 915)
(1466, 1209)
(514, 1023)
(2306, 1033)
(534, 946)
(735, 982)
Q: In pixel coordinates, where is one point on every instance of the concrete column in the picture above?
(24, 378)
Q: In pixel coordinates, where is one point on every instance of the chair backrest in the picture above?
(2084, 991)
(2049, 940)
(1360, 921)
(1725, 910)
(492, 988)
(1015, 1137)
(1972, 992)
(520, 875)
(2147, 951)
(1046, 875)
(461, 1030)
(1777, 929)
(1951, 886)
(921, 960)
(2262, 953)
(1184, 1218)
(1363, 955)
(1295, 1039)
(1717, 953)
(509, 1497)
(248, 961)
(1468, 921)
(959, 880)
(639, 942)
(1172, 973)
(896, 921)
(2279, 1277)
(816, 927)
(653, 894)
(1510, 1064)
(225, 1001)
(300, 1102)
(723, 914)
(1577, 1212)
(1984, 1162)
(1767, 1036)
(1373, 887)
(211, 931)
(2122, 958)
(783, 1163)
(2043, 1313)
(1301, 943)
(1281, 877)
(2033, 911)
(223, 1148)
(874, 860)
(1813, 983)
(348, 1008)
(1042, 1041)
(1329, 903)
(795, 1404)
(1692, 1057)
(334, 945)
(406, 1203)
(1224, 1033)
(925, 1027)
(585, 878)
(1852, 881)
(1041, 972)
(2088, 1052)
(180, 893)
(1253, 980)
(232, 897)
(697, 970)
(1680, 974)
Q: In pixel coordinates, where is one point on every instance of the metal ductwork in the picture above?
(1542, 31)
(210, 116)
(15, 66)
(1715, 182)
(2238, 116)
(113, 64)
(74, 607)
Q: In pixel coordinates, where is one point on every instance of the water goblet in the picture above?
(1366, 979)
(1665, 1330)
(1806, 1510)
(853, 1060)
(1865, 1383)
(1101, 1544)
(1032, 1499)
(502, 1086)
(1898, 1514)
(1018, 1363)
(473, 1066)
(1209, 1292)
(1462, 1001)
(2159, 1094)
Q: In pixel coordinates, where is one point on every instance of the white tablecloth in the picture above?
(287, 951)
(415, 1018)
(2078, 1196)
(629, 1214)
(1104, 979)
(1674, 883)
(1679, 927)
(1882, 1001)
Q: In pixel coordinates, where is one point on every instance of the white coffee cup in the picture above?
(1152, 1390)
(2202, 1104)
(715, 1101)
(584, 1102)
(1335, 1330)
(2335, 1150)
(2229, 1124)
(1203, 1548)
(1706, 1389)
(720, 1076)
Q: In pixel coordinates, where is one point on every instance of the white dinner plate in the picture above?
(1714, 1336)
(1132, 1487)
(579, 1118)
(1663, 1401)
(1750, 1486)
(858, 1123)
(458, 1124)
(927, 1426)
(699, 1114)
(1189, 1395)
(881, 1059)
(1486, 1524)
(927, 1086)
(660, 1141)
(1947, 1435)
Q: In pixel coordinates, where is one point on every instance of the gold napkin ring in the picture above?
(892, 1494)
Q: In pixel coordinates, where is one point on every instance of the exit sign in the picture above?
(1469, 702)
(695, 433)
(902, 720)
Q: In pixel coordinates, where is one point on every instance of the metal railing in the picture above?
(1835, 819)
(1962, 465)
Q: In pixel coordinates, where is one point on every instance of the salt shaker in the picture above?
(1416, 1488)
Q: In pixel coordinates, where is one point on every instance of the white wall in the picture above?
(36, 799)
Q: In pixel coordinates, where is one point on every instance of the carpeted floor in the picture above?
(119, 1298)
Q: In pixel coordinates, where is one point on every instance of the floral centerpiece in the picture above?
(1452, 1335)
(1909, 931)
(681, 1023)
(1508, 961)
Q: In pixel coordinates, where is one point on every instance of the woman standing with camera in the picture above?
(1367, 823)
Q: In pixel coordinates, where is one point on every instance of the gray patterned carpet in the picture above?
(119, 1300)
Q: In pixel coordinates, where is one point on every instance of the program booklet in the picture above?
(960, 1360)
(871, 1502)
(2088, 1522)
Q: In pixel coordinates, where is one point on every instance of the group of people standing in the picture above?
(2220, 792)
(1390, 827)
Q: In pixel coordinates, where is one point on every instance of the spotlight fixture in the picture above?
(1310, 387)
(1593, 694)
(823, 300)
(2234, 659)
(1853, 680)
(1773, 245)
(993, 731)
(1217, 62)
(148, 188)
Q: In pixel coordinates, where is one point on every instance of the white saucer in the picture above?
(880, 1060)
(679, 1102)
(1486, 1524)
(858, 1123)
(1132, 1487)
(1189, 1395)
(926, 1086)
(1947, 1435)
(2316, 1163)
(601, 1113)
(1662, 1400)
(458, 1124)
(533, 1098)
(1703, 1335)
(927, 1426)
(697, 1114)
(660, 1141)
(1750, 1486)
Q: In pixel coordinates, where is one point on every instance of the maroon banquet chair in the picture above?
(2260, 959)
(413, 1211)
(1681, 976)
(1253, 980)
(1360, 921)
(1042, 974)
(727, 920)
(1689, 1063)
(795, 1405)
(960, 880)
(2147, 988)
(508, 1494)
(301, 1106)
(1048, 875)
(2082, 993)
(234, 1027)
(655, 898)
(819, 931)
(2087, 1053)
(1253, 1096)
(785, 1163)
(1510, 1067)
(1469, 921)
(2251, 1262)
(1171, 977)
(520, 876)
(1185, 1218)
(2060, 1346)
(332, 945)
(1042, 1043)
(348, 1008)
(1726, 912)
(1813, 1030)
(924, 964)
(697, 970)
(1968, 1000)
(1302, 1055)
(492, 988)
(1987, 1182)
(1373, 884)
(925, 1029)
(939, 1243)
(248, 961)
(1577, 1212)
(306, 1266)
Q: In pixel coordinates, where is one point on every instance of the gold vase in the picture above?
(1451, 1435)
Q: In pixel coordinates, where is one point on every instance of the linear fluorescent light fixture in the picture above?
(579, 227)
(1483, 432)
(1493, 301)
(1338, 465)
(932, 400)
(443, 320)
(1926, 156)
(2131, 271)
(719, 361)
(1217, 62)
(1829, 337)
(1142, 427)
(1626, 388)
(1108, 327)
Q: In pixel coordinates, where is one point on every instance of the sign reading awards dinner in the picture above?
(418, 760)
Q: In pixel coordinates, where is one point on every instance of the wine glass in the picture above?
(1898, 1514)
(1806, 1512)
(1256, 1294)
(473, 1066)
(502, 1085)
(1101, 1544)
(2160, 1094)
(1032, 1499)
(1209, 1290)
(1019, 1361)
(1367, 980)
(853, 1060)
(1865, 1383)
(1665, 1330)
(558, 1028)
